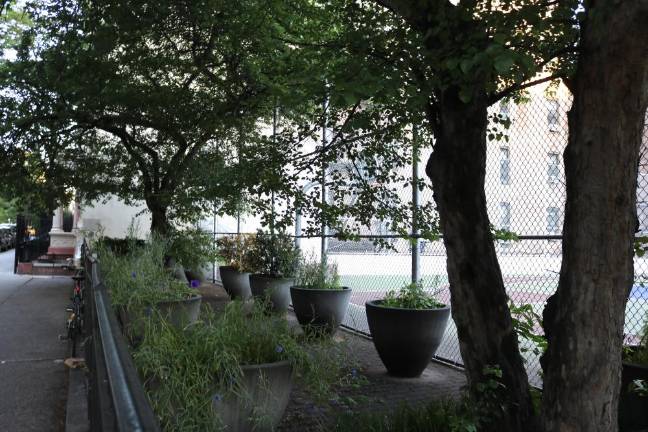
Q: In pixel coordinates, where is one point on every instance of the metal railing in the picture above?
(117, 400)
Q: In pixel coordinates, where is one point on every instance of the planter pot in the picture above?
(236, 283)
(406, 339)
(261, 400)
(179, 314)
(633, 408)
(275, 289)
(320, 310)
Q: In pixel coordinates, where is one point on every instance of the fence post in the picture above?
(324, 229)
(415, 241)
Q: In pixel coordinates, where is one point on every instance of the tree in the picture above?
(584, 319)
(440, 66)
(147, 99)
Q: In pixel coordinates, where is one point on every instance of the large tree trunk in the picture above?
(479, 302)
(159, 221)
(584, 319)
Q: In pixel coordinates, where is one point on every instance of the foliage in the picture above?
(275, 255)
(192, 248)
(236, 250)
(176, 90)
(138, 279)
(436, 416)
(639, 354)
(413, 296)
(8, 210)
(314, 274)
(183, 374)
(526, 323)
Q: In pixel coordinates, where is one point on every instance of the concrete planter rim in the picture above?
(377, 304)
(270, 365)
(194, 298)
(232, 268)
(320, 290)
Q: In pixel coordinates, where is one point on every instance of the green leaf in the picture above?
(465, 95)
(503, 63)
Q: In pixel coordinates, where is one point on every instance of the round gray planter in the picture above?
(275, 289)
(406, 339)
(236, 283)
(259, 402)
(320, 310)
(179, 313)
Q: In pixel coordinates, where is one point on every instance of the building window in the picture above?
(553, 168)
(505, 109)
(505, 166)
(553, 117)
(553, 220)
(505, 216)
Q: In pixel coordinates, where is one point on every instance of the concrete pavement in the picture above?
(33, 378)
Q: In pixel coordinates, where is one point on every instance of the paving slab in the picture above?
(32, 374)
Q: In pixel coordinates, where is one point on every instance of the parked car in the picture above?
(7, 236)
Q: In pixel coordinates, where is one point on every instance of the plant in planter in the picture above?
(194, 250)
(633, 400)
(274, 258)
(234, 371)
(234, 251)
(319, 301)
(138, 282)
(407, 327)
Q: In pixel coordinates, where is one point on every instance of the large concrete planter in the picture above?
(179, 313)
(633, 408)
(406, 339)
(320, 310)
(275, 289)
(260, 401)
(236, 283)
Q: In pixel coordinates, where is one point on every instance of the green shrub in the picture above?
(274, 254)
(137, 278)
(235, 251)
(314, 275)
(437, 416)
(639, 354)
(183, 370)
(412, 296)
(192, 248)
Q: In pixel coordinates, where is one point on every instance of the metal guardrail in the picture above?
(117, 400)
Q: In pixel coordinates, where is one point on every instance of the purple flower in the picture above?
(133, 275)
(279, 349)
(217, 398)
(354, 373)
(194, 283)
(148, 311)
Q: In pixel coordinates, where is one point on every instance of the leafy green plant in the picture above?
(436, 416)
(192, 248)
(639, 354)
(525, 322)
(275, 255)
(413, 296)
(137, 278)
(235, 250)
(185, 370)
(314, 274)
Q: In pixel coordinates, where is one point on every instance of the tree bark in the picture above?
(480, 310)
(584, 319)
(159, 221)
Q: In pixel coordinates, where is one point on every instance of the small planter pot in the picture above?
(179, 313)
(261, 400)
(236, 283)
(275, 289)
(320, 310)
(633, 408)
(406, 339)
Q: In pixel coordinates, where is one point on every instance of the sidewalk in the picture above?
(32, 375)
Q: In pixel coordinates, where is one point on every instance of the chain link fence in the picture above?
(525, 191)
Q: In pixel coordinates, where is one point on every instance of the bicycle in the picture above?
(75, 319)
